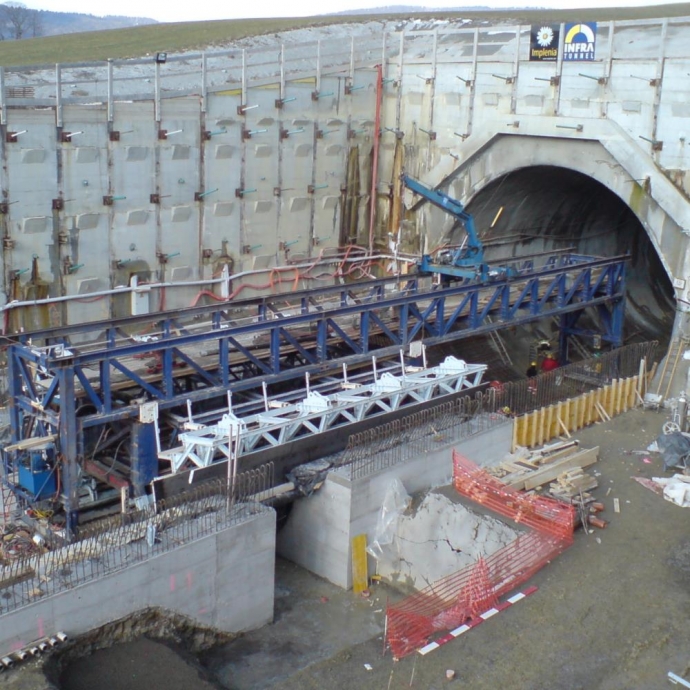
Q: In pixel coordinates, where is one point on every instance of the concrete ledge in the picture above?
(224, 581)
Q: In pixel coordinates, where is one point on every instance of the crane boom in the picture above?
(468, 260)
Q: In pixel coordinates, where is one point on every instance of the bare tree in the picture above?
(19, 21)
(35, 24)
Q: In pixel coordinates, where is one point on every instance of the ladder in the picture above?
(576, 343)
(675, 352)
(499, 345)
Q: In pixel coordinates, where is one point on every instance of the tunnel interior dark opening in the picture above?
(555, 207)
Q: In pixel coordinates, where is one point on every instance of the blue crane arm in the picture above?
(474, 249)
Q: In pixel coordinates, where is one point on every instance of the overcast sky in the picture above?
(176, 11)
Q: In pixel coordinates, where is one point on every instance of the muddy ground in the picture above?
(610, 614)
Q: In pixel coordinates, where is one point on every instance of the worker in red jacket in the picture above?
(549, 363)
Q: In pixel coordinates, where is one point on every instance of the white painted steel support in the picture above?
(58, 95)
(559, 69)
(244, 77)
(157, 92)
(111, 113)
(660, 66)
(3, 102)
(282, 72)
(283, 422)
(318, 66)
(398, 100)
(204, 85)
(473, 89)
(677, 680)
(516, 70)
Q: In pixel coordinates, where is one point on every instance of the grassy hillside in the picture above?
(142, 40)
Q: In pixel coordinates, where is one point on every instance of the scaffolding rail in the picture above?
(395, 442)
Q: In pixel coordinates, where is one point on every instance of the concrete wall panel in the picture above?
(635, 88)
(223, 580)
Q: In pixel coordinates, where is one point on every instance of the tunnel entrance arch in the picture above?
(553, 207)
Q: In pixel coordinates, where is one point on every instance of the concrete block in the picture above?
(86, 154)
(138, 217)
(223, 208)
(224, 151)
(180, 214)
(31, 156)
(88, 221)
(35, 224)
(136, 153)
(181, 152)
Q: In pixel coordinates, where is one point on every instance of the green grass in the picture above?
(143, 40)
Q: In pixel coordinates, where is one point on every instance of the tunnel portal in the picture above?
(554, 207)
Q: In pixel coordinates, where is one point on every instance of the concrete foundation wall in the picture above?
(319, 530)
(225, 581)
(240, 158)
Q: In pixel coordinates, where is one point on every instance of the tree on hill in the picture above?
(18, 21)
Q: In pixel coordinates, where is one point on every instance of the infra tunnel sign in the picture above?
(579, 41)
(543, 43)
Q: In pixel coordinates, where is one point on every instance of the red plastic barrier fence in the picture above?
(543, 514)
(451, 601)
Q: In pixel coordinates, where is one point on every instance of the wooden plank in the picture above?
(513, 444)
(619, 396)
(521, 430)
(360, 574)
(632, 400)
(557, 447)
(551, 471)
(540, 427)
(624, 395)
(603, 414)
(564, 427)
(599, 400)
(550, 433)
(582, 407)
(533, 430)
(608, 399)
(592, 414)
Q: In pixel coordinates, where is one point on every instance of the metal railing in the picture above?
(419, 433)
(126, 539)
(409, 437)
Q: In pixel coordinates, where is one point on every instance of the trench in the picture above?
(555, 207)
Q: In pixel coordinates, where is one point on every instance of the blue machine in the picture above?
(465, 262)
(37, 474)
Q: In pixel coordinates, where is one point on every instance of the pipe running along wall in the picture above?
(557, 207)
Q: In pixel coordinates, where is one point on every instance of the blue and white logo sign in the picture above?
(579, 41)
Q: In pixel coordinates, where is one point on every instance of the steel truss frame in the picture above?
(205, 351)
(317, 413)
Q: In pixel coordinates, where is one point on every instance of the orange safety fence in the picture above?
(538, 512)
(462, 596)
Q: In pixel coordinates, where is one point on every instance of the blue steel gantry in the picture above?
(81, 390)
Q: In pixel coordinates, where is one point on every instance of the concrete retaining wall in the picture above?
(102, 184)
(225, 581)
(318, 533)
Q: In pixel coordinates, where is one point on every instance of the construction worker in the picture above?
(532, 372)
(549, 363)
